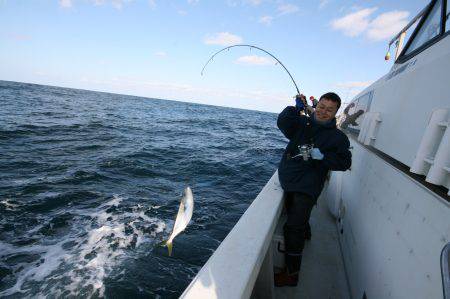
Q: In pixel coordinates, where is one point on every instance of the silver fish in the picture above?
(183, 217)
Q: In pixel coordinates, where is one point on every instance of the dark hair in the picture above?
(332, 97)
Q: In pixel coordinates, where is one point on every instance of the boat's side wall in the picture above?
(232, 270)
(393, 230)
(405, 99)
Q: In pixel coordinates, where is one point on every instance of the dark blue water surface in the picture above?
(90, 183)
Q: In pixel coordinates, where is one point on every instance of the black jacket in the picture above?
(297, 175)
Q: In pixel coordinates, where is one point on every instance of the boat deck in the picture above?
(322, 274)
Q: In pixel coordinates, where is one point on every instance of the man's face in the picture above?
(326, 110)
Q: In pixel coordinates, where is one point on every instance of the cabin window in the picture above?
(351, 119)
(429, 29)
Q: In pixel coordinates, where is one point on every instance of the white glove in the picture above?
(316, 154)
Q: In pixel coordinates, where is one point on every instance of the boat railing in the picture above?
(399, 38)
(418, 16)
(241, 267)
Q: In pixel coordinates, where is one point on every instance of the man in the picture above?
(313, 101)
(303, 179)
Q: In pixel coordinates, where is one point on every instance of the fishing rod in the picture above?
(258, 48)
(304, 150)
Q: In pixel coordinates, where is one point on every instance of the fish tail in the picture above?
(169, 247)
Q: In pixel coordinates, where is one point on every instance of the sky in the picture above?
(157, 49)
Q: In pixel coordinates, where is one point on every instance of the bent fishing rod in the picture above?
(254, 47)
(304, 150)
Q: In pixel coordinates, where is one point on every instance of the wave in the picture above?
(79, 263)
(66, 151)
(62, 201)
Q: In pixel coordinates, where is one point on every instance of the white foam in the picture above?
(6, 249)
(93, 256)
(8, 204)
(52, 259)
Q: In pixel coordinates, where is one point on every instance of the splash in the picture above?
(8, 204)
(79, 264)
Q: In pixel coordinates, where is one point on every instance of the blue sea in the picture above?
(90, 184)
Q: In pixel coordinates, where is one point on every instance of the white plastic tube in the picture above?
(438, 174)
(430, 140)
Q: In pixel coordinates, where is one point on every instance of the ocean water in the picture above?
(90, 184)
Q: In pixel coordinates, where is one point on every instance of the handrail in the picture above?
(232, 270)
(445, 268)
(420, 14)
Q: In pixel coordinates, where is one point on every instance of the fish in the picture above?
(184, 215)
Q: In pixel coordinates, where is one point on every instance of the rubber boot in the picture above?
(284, 279)
(308, 232)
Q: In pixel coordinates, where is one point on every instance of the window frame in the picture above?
(444, 20)
(405, 57)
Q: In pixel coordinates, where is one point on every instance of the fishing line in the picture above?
(254, 47)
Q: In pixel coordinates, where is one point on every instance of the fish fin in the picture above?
(169, 247)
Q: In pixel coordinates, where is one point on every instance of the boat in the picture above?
(381, 229)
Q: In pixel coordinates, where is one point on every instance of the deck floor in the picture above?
(322, 274)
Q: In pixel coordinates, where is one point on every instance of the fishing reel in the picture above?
(304, 151)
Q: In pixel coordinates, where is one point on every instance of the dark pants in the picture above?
(298, 207)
